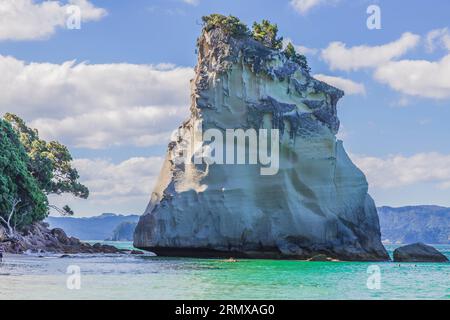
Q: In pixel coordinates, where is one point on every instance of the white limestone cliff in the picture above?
(317, 202)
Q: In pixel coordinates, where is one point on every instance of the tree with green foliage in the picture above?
(296, 57)
(50, 163)
(22, 201)
(267, 33)
(231, 25)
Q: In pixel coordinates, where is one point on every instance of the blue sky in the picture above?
(114, 89)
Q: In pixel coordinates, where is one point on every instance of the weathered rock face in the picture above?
(418, 252)
(317, 202)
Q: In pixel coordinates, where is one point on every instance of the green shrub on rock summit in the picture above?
(230, 24)
(300, 59)
(267, 33)
(264, 32)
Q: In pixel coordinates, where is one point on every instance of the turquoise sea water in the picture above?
(149, 277)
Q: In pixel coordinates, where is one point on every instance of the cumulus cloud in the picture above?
(400, 171)
(123, 187)
(96, 105)
(430, 79)
(348, 86)
(422, 78)
(134, 177)
(30, 20)
(304, 6)
(340, 57)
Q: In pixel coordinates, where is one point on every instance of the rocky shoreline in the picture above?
(39, 238)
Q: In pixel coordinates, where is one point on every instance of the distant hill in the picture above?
(429, 224)
(123, 232)
(91, 228)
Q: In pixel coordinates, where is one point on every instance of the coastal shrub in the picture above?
(230, 24)
(296, 57)
(267, 33)
(21, 199)
(50, 163)
(30, 170)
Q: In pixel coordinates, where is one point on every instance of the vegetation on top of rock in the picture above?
(264, 32)
(267, 33)
(300, 59)
(230, 24)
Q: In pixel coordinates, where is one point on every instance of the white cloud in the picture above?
(438, 38)
(123, 187)
(348, 86)
(338, 56)
(96, 105)
(400, 171)
(130, 178)
(30, 20)
(430, 79)
(138, 126)
(303, 6)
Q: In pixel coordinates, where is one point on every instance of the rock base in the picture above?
(267, 253)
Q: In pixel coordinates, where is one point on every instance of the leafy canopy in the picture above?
(17, 183)
(50, 163)
(267, 34)
(296, 57)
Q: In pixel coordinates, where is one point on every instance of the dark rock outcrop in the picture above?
(39, 238)
(418, 252)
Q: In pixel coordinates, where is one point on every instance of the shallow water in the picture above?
(148, 277)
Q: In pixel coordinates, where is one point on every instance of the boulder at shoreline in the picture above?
(418, 252)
